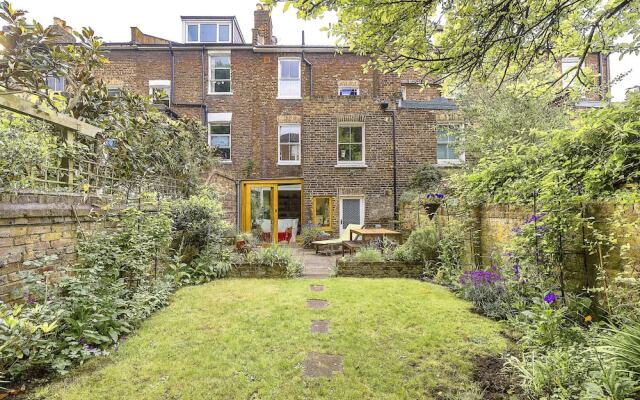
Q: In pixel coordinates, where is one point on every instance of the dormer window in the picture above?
(207, 32)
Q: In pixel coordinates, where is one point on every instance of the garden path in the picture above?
(315, 265)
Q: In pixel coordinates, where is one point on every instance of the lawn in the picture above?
(247, 339)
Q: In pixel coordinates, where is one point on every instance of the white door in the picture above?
(351, 211)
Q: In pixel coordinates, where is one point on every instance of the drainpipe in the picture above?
(310, 68)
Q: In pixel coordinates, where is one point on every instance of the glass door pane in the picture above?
(262, 213)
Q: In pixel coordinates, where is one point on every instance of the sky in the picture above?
(111, 19)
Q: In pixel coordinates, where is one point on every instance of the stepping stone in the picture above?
(320, 326)
(316, 288)
(319, 365)
(317, 304)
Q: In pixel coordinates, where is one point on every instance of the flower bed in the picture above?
(379, 269)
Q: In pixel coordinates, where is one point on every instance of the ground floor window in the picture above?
(322, 212)
(220, 138)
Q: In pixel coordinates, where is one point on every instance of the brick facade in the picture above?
(256, 112)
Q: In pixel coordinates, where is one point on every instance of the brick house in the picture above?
(304, 135)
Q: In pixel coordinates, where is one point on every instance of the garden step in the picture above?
(318, 365)
(320, 326)
(317, 304)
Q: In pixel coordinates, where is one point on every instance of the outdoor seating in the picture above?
(331, 244)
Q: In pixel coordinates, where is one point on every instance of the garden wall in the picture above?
(257, 271)
(35, 225)
(385, 269)
(492, 225)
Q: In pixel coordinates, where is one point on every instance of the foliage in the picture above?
(622, 346)
(144, 144)
(311, 233)
(419, 247)
(486, 40)
(426, 178)
(450, 253)
(276, 255)
(25, 144)
(197, 221)
(368, 254)
(213, 262)
(92, 307)
(488, 293)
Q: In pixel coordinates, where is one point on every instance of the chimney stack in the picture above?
(63, 32)
(262, 26)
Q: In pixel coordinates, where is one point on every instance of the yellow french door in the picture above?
(260, 211)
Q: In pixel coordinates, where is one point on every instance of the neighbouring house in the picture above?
(303, 133)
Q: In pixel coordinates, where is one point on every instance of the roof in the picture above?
(439, 103)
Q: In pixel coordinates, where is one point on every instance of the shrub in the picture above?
(197, 222)
(487, 292)
(311, 233)
(450, 252)
(419, 247)
(368, 254)
(213, 262)
(276, 255)
(426, 178)
(622, 347)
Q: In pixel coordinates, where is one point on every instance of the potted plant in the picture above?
(431, 202)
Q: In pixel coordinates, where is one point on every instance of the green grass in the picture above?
(247, 339)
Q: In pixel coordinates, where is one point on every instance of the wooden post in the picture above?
(69, 137)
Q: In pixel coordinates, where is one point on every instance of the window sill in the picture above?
(226, 162)
(288, 98)
(220, 94)
(351, 165)
(451, 163)
(284, 163)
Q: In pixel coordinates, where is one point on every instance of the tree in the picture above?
(464, 39)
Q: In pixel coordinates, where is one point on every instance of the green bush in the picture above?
(197, 221)
(213, 262)
(276, 255)
(419, 247)
(311, 233)
(368, 254)
(426, 178)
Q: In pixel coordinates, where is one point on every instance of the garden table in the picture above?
(372, 233)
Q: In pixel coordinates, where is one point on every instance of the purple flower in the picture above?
(550, 298)
(479, 277)
(429, 195)
(508, 254)
(439, 195)
(516, 270)
(517, 230)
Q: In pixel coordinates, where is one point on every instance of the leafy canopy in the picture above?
(484, 39)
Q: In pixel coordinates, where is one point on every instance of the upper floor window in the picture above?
(447, 152)
(207, 32)
(220, 73)
(348, 91)
(56, 83)
(289, 78)
(289, 144)
(568, 66)
(350, 144)
(159, 91)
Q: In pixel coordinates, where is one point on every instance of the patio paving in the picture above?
(316, 265)
(322, 365)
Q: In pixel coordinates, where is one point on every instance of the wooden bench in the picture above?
(351, 245)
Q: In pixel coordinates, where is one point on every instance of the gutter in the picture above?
(310, 68)
(394, 157)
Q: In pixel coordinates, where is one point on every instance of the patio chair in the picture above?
(336, 242)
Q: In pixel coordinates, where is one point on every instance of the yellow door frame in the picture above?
(273, 185)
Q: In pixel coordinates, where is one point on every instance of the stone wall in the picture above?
(385, 269)
(36, 225)
(257, 271)
(491, 229)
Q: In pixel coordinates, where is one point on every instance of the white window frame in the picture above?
(357, 88)
(57, 80)
(185, 31)
(350, 163)
(280, 95)
(160, 84)
(212, 55)
(221, 119)
(290, 162)
(566, 64)
(448, 161)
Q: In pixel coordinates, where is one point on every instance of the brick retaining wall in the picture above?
(385, 269)
(257, 271)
